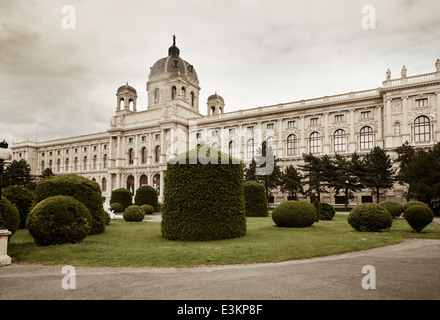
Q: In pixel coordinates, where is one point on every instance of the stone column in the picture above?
(280, 139)
(162, 147)
(326, 147)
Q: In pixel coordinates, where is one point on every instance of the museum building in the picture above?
(135, 149)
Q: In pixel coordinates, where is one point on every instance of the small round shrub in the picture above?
(59, 220)
(147, 208)
(11, 217)
(294, 214)
(255, 199)
(146, 195)
(23, 199)
(117, 207)
(134, 213)
(370, 217)
(325, 211)
(122, 196)
(418, 217)
(393, 207)
(84, 190)
(408, 204)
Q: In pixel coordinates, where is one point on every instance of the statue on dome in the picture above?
(404, 72)
(388, 74)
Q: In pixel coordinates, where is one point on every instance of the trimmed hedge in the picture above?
(122, 196)
(146, 195)
(393, 207)
(11, 217)
(59, 220)
(23, 199)
(203, 197)
(134, 213)
(117, 207)
(294, 214)
(255, 199)
(370, 217)
(84, 190)
(408, 204)
(325, 211)
(147, 208)
(418, 217)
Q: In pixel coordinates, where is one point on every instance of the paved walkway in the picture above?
(409, 270)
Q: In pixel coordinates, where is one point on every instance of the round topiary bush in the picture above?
(418, 217)
(134, 214)
(203, 197)
(59, 220)
(23, 199)
(84, 190)
(255, 199)
(393, 207)
(325, 211)
(294, 214)
(122, 196)
(11, 217)
(408, 204)
(147, 208)
(117, 207)
(370, 217)
(146, 195)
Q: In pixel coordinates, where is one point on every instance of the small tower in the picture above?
(216, 105)
(126, 97)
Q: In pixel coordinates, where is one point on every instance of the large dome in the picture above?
(173, 65)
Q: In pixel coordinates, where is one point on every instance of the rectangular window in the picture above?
(130, 140)
(366, 115)
(232, 131)
(339, 200)
(291, 124)
(270, 126)
(339, 118)
(250, 129)
(313, 121)
(421, 103)
(214, 133)
(157, 136)
(367, 199)
(144, 138)
(199, 135)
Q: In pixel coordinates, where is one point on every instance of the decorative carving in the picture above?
(404, 72)
(388, 74)
(396, 105)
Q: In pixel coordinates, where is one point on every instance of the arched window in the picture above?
(143, 181)
(233, 148)
(130, 156)
(315, 142)
(422, 129)
(58, 165)
(250, 149)
(156, 95)
(157, 154)
(130, 184)
(121, 104)
(144, 155)
(95, 162)
(340, 140)
(66, 165)
(270, 142)
(292, 145)
(50, 164)
(173, 92)
(104, 184)
(366, 138)
(75, 164)
(183, 93)
(42, 166)
(85, 163)
(131, 104)
(192, 99)
(215, 145)
(105, 161)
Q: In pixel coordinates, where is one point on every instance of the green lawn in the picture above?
(139, 244)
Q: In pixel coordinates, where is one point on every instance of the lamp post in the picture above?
(4, 233)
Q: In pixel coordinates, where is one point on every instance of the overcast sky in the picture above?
(57, 82)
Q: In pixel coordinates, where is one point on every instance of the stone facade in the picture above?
(135, 148)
